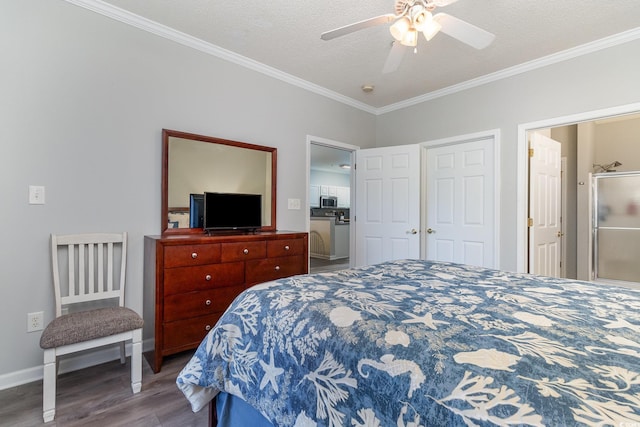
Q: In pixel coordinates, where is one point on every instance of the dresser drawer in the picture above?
(187, 334)
(288, 247)
(241, 251)
(186, 255)
(200, 303)
(267, 269)
(187, 279)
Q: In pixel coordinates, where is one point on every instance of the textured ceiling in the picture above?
(285, 36)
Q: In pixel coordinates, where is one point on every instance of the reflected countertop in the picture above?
(330, 218)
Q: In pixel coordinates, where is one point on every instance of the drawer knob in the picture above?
(194, 255)
(277, 268)
(207, 277)
(207, 328)
(208, 302)
(246, 251)
(286, 248)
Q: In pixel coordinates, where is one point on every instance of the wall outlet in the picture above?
(293, 204)
(35, 321)
(36, 195)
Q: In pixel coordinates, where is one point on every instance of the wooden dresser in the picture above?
(190, 280)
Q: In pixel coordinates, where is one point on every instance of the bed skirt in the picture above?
(227, 410)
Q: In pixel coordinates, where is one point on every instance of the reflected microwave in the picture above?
(328, 202)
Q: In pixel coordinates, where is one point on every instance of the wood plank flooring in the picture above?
(101, 396)
(318, 265)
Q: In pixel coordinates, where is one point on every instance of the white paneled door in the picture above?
(460, 203)
(545, 234)
(388, 204)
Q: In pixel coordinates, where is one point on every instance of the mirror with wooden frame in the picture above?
(195, 164)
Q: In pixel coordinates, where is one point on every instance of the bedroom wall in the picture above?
(84, 100)
(599, 80)
(615, 140)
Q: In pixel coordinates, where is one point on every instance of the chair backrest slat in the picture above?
(93, 264)
(72, 271)
(100, 284)
(81, 274)
(109, 267)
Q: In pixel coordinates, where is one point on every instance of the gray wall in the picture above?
(599, 80)
(84, 100)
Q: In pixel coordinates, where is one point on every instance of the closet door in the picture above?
(460, 203)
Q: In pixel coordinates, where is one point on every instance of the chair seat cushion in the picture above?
(87, 325)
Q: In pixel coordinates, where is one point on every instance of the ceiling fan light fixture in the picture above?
(410, 38)
(431, 29)
(400, 28)
(420, 17)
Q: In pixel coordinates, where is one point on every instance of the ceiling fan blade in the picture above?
(357, 26)
(394, 58)
(463, 31)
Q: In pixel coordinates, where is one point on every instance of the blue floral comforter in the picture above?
(419, 343)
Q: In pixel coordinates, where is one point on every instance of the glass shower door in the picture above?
(616, 226)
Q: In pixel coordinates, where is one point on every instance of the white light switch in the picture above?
(294, 204)
(36, 195)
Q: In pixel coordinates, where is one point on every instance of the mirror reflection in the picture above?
(196, 164)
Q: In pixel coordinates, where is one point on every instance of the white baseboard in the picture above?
(69, 364)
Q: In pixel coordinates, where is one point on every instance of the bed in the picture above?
(419, 343)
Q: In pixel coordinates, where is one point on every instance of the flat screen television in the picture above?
(196, 210)
(232, 211)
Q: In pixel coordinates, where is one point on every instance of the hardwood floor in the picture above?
(318, 265)
(101, 396)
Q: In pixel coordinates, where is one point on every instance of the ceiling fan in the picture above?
(416, 16)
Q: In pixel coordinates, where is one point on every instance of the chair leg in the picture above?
(49, 385)
(136, 361)
(123, 355)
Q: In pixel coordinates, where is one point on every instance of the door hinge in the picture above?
(530, 222)
(530, 152)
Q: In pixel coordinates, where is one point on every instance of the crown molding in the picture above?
(156, 28)
(555, 58)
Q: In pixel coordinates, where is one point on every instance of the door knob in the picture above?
(412, 231)
(430, 230)
(560, 234)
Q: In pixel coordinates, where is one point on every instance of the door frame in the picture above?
(522, 167)
(494, 136)
(340, 146)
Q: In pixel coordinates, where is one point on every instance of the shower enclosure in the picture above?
(616, 226)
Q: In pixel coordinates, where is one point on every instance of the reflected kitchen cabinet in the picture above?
(314, 196)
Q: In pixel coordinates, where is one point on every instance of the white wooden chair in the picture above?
(88, 271)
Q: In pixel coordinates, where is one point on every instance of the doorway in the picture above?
(583, 153)
(330, 197)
